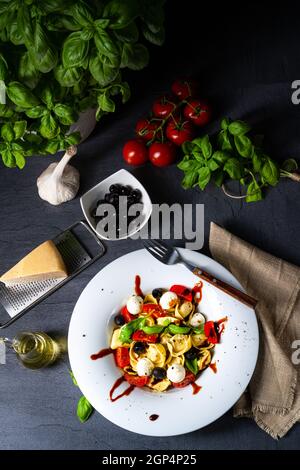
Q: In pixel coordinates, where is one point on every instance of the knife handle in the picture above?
(227, 288)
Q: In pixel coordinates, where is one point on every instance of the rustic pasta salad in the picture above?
(162, 340)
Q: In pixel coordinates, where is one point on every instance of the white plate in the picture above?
(179, 410)
(89, 199)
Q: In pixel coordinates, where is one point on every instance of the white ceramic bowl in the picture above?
(90, 198)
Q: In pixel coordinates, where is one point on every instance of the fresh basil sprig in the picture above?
(178, 330)
(232, 154)
(84, 408)
(152, 330)
(77, 49)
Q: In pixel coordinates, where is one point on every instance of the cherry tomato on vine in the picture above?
(163, 106)
(184, 88)
(179, 131)
(146, 128)
(162, 153)
(135, 152)
(198, 111)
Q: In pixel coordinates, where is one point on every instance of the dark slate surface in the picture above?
(246, 60)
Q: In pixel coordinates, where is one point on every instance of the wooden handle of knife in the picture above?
(227, 288)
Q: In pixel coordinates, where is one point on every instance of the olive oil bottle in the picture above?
(36, 349)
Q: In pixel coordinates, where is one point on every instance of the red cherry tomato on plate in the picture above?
(162, 153)
(139, 335)
(179, 131)
(198, 111)
(154, 310)
(135, 152)
(126, 315)
(183, 88)
(210, 332)
(136, 380)
(146, 128)
(188, 379)
(183, 292)
(163, 106)
(122, 357)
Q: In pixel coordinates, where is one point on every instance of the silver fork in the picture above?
(169, 255)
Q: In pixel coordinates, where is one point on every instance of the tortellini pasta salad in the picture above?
(162, 340)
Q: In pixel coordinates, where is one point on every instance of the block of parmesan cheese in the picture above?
(43, 263)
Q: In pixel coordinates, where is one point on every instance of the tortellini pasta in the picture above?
(157, 354)
(205, 359)
(179, 344)
(184, 310)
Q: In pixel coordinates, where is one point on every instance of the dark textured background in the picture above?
(245, 58)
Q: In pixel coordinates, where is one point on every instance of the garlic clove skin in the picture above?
(59, 183)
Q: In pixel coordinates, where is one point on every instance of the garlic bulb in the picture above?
(59, 182)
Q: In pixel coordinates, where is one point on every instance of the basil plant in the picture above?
(61, 57)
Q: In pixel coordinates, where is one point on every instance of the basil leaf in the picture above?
(27, 72)
(187, 147)
(43, 54)
(206, 147)
(290, 165)
(49, 127)
(120, 13)
(128, 329)
(102, 73)
(84, 409)
(60, 22)
(213, 165)
(75, 50)
(221, 156)
(21, 95)
(3, 68)
(67, 77)
(253, 192)
(219, 178)
(204, 176)
(19, 129)
(24, 24)
(192, 365)
(73, 139)
(234, 168)
(73, 378)
(125, 91)
(157, 38)
(224, 140)
(238, 128)
(153, 14)
(106, 103)
(66, 114)
(151, 330)
(105, 44)
(134, 56)
(257, 162)
(36, 111)
(6, 111)
(81, 13)
(7, 132)
(128, 34)
(52, 147)
(270, 172)
(244, 146)
(178, 330)
(19, 158)
(8, 158)
(225, 123)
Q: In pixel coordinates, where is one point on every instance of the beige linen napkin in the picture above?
(273, 396)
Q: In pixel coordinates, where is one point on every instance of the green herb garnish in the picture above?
(178, 330)
(151, 330)
(128, 329)
(192, 365)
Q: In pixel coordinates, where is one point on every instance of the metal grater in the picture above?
(20, 298)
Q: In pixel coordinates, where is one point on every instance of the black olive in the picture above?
(115, 188)
(139, 347)
(191, 354)
(119, 320)
(157, 293)
(159, 373)
(136, 194)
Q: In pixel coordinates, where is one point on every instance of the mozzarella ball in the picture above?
(176, 373)
(168, 300)
(134, 304)
(144, 367)
(197, 319)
